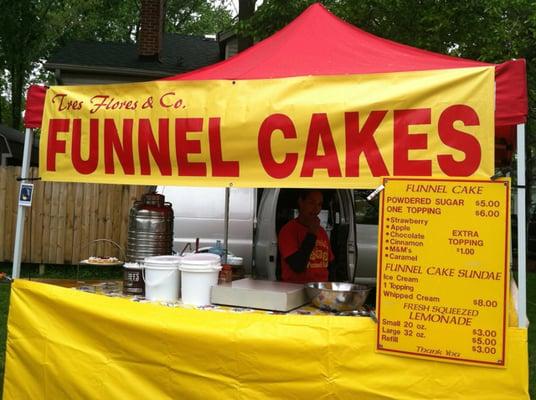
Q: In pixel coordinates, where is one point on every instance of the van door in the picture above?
(265, 251)
(278, 206)
(366, 219)
(200, 212)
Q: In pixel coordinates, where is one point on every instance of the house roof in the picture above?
(15, 141)
(180, 53)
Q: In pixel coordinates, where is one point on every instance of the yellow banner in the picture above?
(333, 132)
(66, 344)
(443, 270)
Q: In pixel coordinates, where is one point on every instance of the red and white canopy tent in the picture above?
(318, 43)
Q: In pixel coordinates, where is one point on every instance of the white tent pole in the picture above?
(521, 230)
(21, 211)
(226, 225)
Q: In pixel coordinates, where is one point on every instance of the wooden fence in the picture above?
(65, 219)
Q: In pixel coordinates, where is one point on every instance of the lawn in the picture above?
(55, 272)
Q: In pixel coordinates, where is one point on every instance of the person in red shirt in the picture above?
(303, 244)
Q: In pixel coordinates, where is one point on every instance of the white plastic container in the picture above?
(162, 278)
(199, 272)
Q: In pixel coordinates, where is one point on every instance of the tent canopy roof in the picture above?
(319, 43)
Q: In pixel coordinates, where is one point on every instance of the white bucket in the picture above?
(162, 278)
(199, 272)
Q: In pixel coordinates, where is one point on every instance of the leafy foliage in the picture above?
(31, 29)
(198, 17)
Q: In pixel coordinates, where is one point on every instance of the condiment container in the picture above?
(226, 274)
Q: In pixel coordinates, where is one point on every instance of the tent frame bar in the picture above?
(21, 210)
(521, 230)
(226, 226)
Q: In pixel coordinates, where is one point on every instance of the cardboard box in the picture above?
(265, 295)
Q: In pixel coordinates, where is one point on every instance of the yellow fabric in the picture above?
(239, 132)
(513, 319)
(66, 344)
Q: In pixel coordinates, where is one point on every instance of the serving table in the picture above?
(66, 343)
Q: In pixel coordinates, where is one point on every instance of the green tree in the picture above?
(31, 29)
(20, 43)
(198, 17)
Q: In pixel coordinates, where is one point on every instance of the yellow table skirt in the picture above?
(67, 344)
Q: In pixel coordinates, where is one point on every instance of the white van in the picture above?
(255, 218)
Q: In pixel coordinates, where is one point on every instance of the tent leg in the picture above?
(521, 229)
(21, 211)
(226, 227)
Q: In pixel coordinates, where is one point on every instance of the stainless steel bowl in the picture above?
(337, 296)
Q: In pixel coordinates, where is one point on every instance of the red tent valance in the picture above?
(35, 99)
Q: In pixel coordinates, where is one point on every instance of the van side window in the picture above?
(366, 212)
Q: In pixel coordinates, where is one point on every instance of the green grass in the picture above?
(115, 273)
(31, 271)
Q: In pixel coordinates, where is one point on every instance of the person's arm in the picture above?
(298, 261)
(332, 273)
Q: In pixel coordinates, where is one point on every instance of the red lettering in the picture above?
(459, 140)
(404, 142)
(163, 97)
(90, 165)
(320, 131)
(160, 151)
(219, 166)
(121, 147)
(185, 146)
(271, 166)
(54, 145)
(110, 103)
(67, 105)
(98, 105)
(61, 97)
(164, 103)
(362, 141)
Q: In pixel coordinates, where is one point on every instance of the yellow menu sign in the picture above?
(443, 269)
